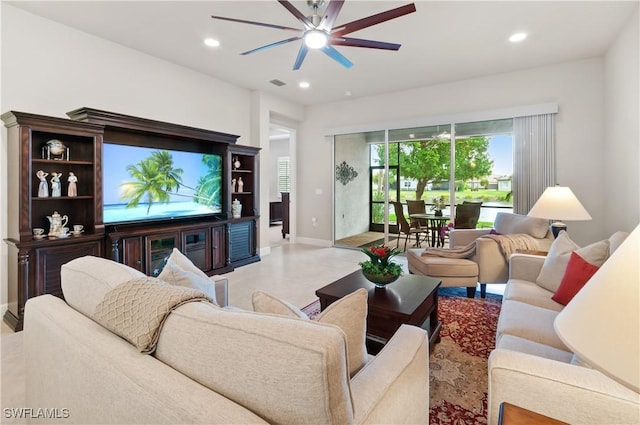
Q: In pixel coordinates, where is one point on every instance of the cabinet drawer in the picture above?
(50, 259)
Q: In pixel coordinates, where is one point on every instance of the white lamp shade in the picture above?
(559, 203)
(601, 324)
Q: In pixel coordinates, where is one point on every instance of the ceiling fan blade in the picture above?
(262, 24)
(373, 20)
(302, 53)
(295, 12)
(357, 42)
(337, 56)
(268, 46)
(330, 14)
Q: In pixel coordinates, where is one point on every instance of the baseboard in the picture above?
(264, 251)
(312, 241)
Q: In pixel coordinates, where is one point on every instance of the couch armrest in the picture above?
(463, 237)
(525, 266)
(222, 290)
(394, 386)
(492, 266)
(570, 393)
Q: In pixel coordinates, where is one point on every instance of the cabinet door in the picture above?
(50, 259)
(132, 253)
(159, 247)
(241, 240)
(197, 247)
(218, 251)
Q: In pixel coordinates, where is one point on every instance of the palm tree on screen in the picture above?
(208, 190)
(155, 178)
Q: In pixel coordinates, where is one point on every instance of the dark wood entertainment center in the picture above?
(217, 243)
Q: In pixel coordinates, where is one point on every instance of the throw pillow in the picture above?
(180, 271)
(577, 274)
(349, 313)
(557, 259)
(266, 303)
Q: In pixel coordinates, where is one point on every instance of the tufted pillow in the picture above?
(349, 313)
(508, 224)
(555, 264)
(179, 270)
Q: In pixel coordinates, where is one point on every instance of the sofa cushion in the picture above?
(507, 223)
(530, 293)
(175, 274)
(576, 275)
(529, 322)
(516, 343)
(349, 313)
(556, 261)
(86, 280)
(285, 370)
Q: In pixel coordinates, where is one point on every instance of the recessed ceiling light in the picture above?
(304, 85)
(519, 36)
(211, 42)
(347, 93)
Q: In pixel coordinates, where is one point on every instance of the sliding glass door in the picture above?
(423, 163)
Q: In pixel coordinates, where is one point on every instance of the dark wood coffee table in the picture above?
(411, 300)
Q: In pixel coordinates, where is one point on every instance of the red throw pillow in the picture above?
(576, 275)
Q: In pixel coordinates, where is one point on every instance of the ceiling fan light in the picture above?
(315, 39)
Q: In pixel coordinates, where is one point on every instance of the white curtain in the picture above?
(534, 161)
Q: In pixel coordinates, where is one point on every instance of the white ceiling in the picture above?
(441, 42)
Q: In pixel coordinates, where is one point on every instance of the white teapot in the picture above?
(57, 222)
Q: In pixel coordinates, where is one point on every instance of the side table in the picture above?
(514, 415)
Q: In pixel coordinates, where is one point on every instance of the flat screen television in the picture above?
(144, 183)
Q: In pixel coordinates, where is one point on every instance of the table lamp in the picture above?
(601, 324)
(559, 203)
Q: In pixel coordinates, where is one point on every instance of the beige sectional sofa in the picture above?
(212, 365)
(531, 367)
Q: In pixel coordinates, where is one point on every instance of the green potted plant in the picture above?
(379, 269)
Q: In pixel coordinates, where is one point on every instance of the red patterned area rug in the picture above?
(458, 364)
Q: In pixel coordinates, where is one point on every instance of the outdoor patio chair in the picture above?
(405, 228)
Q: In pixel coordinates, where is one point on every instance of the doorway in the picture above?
(280, 163)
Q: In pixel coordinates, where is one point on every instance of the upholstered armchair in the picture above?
(492, 264)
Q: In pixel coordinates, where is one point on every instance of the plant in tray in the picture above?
(379, 269)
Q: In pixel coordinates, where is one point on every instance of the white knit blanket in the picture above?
(508, 245)
(137, 309)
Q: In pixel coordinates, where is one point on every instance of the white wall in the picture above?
(577, 87)
(620, 148)
(352, 199)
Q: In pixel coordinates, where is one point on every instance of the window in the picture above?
(284, 174)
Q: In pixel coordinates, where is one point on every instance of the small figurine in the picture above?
(56, 187)
(72, 189)
(43, 187)
(233, 185)
(240, 184)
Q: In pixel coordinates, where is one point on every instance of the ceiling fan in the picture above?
(319, 31)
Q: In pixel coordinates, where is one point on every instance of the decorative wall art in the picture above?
(345, 173)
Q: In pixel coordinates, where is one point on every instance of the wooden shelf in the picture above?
(60, 162)
(61, 198)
